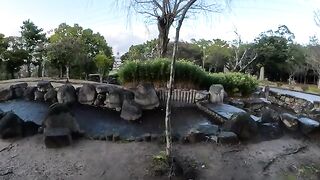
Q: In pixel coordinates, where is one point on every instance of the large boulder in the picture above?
(308, 125)
(107, 88)
(30, 128)
(18, 89)
(57, 137)
(6, 94)
(130, 111)
(44, 86)
(145, 95)
(113, 101)
(87, 94)
(38, 95)
(100, 100)
(216, 93)
(270, 130)
(202, 132)
(59, 116)
(270, 116)
(11, 125)
(242, 124)
(51, 96)
(29, 93)
(256, 104)
(290, 122)
(66, 94)
(202, 96)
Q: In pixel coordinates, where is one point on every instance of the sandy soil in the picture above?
(87, 159)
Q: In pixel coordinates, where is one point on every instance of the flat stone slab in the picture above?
(224, 110)
(301, 95)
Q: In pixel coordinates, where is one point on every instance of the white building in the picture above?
(117, 61)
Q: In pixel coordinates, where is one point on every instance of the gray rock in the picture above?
(237, 103)
(308, 125)
(130, 111)
(11, 126)
(29, 93)
(38, 96)
(270, 116)
(242, 124)
(19, 85)
(18, 89)
(202, 96)
(270, 130)
(44, 86)
(107, 88)
(195, 136)
(145, 95)
(57, 137)
(87, 94)
(6, 94)
(66, 94)
(30, 128)
(100, 100)
(207, 129)
(51, 96)
(113, 101)
(226, 137)
(255, 104)
(59, 116)
(216, 93)
(291, 122)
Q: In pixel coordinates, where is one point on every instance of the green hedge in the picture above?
(158, 71)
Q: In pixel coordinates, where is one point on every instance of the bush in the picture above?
(187, 75)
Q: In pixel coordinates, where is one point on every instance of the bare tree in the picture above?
(243, 56)
(166, 12)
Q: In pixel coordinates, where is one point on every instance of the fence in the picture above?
(178, 95)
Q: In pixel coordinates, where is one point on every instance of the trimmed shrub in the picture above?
(187, 75)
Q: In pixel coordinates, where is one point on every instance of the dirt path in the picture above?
(29, 159)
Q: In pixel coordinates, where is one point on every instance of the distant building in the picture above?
(117, 62)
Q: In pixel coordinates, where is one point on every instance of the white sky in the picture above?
(250, 17)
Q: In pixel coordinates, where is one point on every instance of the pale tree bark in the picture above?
(67, 72)
(171, 80)
(240, 62)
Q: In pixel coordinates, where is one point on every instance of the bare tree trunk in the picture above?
(171, 80)
(29, 69)
(43, 69)
(101, 78)
(318, 84)
(61, 73)
(164, 24)
(67, 72)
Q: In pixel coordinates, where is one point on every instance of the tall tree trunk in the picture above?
(101, 78)
(40, 70)
(67, 72)
(171, 80)
(29, 69)
(164, 24)
(61, 73)
(43, 69)
(12, 75)
(318, 84)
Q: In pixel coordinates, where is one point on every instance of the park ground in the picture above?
(287, 158)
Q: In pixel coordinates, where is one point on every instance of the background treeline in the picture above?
(275, 50)
(67, 51)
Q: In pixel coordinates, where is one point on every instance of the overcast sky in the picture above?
(250, 17)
